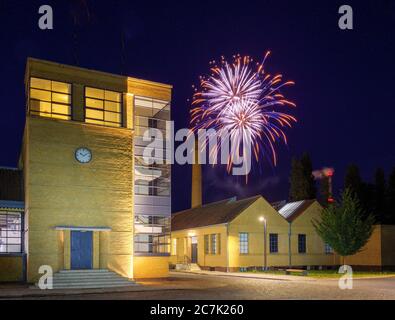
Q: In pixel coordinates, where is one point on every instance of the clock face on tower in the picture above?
(83, 155)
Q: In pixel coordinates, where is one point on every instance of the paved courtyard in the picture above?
(211, 287)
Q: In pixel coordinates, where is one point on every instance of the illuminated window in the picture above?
(50, 98)
(174, 247)
(10, 232)
(206, 244)
(103, 107)
(152, 234)
(243, 242)
(328, 249)
(273, 242)
(213, 244)
(301, 243)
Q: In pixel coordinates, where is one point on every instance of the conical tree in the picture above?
(353, 181)
(379, 195)
(390, 199)
(310, 188)
(343, 227)
(302, 184)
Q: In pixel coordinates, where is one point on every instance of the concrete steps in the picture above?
(188, 266)
(81, 279)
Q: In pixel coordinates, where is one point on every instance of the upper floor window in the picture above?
(103, 107)
(213, 244)
(328, 249)
(243, 239)
(273, 242)
(301, 243)
(206, 244)
(10, 232)
(50, 98)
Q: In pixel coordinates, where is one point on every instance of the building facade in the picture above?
(233, 235)
(90, 202)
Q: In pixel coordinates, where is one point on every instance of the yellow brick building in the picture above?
(90, 199)
(233, 235)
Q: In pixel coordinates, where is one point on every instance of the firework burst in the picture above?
(241, 98)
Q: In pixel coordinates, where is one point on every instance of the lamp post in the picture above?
(263, 219)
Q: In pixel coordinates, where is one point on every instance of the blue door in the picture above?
(81, 250)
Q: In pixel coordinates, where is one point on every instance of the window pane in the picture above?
(40, 84)
(112, 124)
(95, 114)
(112, 106)
(40, 106)
(61, 98)
(114, 117)
(93, 103)
(61, 108)
(94, 121)
(40, 94)
(112, 96)
(61, 87)
(94, 93)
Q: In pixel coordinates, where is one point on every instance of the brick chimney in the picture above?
(196, 199)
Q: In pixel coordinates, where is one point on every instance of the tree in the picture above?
(310, 188)
(343, 227)
(379, 195)
(353, 181)
(301, 179)
(390, 199)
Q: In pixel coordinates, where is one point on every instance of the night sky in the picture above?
(344, 79)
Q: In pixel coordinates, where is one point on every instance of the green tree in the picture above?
(353, 181)
(302, 184)
(390, 199)
(343, 227)
(379, 195)
(310, 188)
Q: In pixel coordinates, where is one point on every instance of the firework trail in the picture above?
(241, 98)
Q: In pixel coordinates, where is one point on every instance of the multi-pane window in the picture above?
(206, 244)
(103, 107)
(243, 242)
(50, 98)
(213, 244)
(10, 232)
(301, 243)
(273, 242)
(152, 234)
(218, 243)
(174, 247)
(328, 249)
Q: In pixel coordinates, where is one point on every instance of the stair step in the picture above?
(91, 286)
(95, 278)
(85, 271)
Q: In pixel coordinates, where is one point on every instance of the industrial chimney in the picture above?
(196, 199)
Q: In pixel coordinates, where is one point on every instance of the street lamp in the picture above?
(263, 219)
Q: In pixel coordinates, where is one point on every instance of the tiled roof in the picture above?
(211, 214)
(292, 210)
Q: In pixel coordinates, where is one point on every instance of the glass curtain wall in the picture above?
(152, 180)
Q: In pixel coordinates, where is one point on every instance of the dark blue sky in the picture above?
(344, 79)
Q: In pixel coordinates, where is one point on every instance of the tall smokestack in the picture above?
(196, 199)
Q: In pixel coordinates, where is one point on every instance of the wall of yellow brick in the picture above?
(62, 192)
(151, 267)
(184, 246)
(248, 221)
(315, 247)
(370, 254)
(11, 269)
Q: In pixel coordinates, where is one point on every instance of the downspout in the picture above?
(227, 247)
(289, 244)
